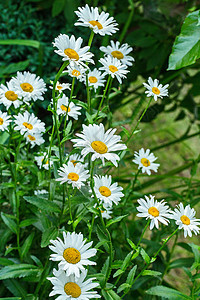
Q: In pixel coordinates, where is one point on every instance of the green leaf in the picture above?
(6, 261)
(103, 238)
(186, 48)
(14, 67)
(30, 43)
(145, 256)
(151, 273)
(8, 220)
(43, 204)
(15, 287)
(28, 222)
(110, 295)
(115, 220)
(49, 234)
(166, 292)
(123, 286)
(181, 262)
(131, 275)
(27, 244)
(133, 246)
(19, 270)
(57, 8)
(117, 273)
(11, 298)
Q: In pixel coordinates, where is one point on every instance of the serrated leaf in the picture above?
(6, 261)
(145, 256)
(49, 234)
(123, 286)
(151, 273)
(110, 295)
(117, 273)
(43, 204)
(8, 220)
(168, 293)
(115, 220)
(186, 48)
(131, 275)
(27, 244)
(133, 246)
(19, 270)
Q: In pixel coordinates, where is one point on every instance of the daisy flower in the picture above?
(42, 161)
(34, 139)
(95, 79)
(155, 89)
(64, 107)
(73, 174)
(60, 87)
(70, 49)
(119, 52)
(28, 123)
(101, 144)
(4, 120)
(107, 192)
(73, 253)
(75, 158)
(100, 23)
(8, 95)
(154, 210)
(185, 219)
(40, 192)
(76, 71)
(106, 211)
(145, 160)
(112, 66)
(71, 287)
(29, 86)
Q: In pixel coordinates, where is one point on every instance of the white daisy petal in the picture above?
(145, 161)
(155, 89)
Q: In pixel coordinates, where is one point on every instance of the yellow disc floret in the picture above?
(145, 162)
(96, 23)
(73, 176)
(156, 91)
(71, 53)
(92, 79)
(10, 95)
(117, 54)
(99, 147)
(153, 211)
(113, 69)
(76, 73)
(1, 121)
(185, 220)
(28, 125)
(72, 289)
(65, 108)
(105, 191)
(72, 255)
(59, 87)
(26, 87)
(31, 138)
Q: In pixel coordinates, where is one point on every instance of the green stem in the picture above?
(139, 121)
(91, 38)
(102, 99)
(143, 232)
(127, 24)
(91, 228)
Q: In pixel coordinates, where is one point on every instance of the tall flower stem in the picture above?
(87, 85)
(102, 99)
(70, 99)
(153, 259)
(143, 232)
(139, 121)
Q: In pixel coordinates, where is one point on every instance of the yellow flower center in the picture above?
(31, 138)
(92, 79)
(99, 147)
(71, 53)
(72, 289)
(59, 87)
(185, 220)
(76, 73)
(74, 162)
(155, 90)
(113, 69)
(28, 125)
(153, 211)
(73, 176)
(145, 162)
(106, 192)
(65, 108)
(72, 255)
(10, 95)
(46, 163)
(26, 87)
(117, 54)
(1, 121)
(96, 23)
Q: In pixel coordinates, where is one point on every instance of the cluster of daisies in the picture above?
(17, 93)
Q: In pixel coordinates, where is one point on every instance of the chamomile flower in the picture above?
(76, 158)
(154, 210)
(28, 123)
(185, 219)
(8, 95)
(64, 107)
(112, 66)
(119, 52)
(40, 192)
(34, 139)
(155, 89)
(29, 86)
(76, 71)
(145, 160)
(106, 211)
(100, 23)
(73, 174)
(4, 121)
(42, 161)
(101, 144)
(73, 253)
(70, 49)
(60, 87)
(107, 192)
(71, 287)
(95, 79)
